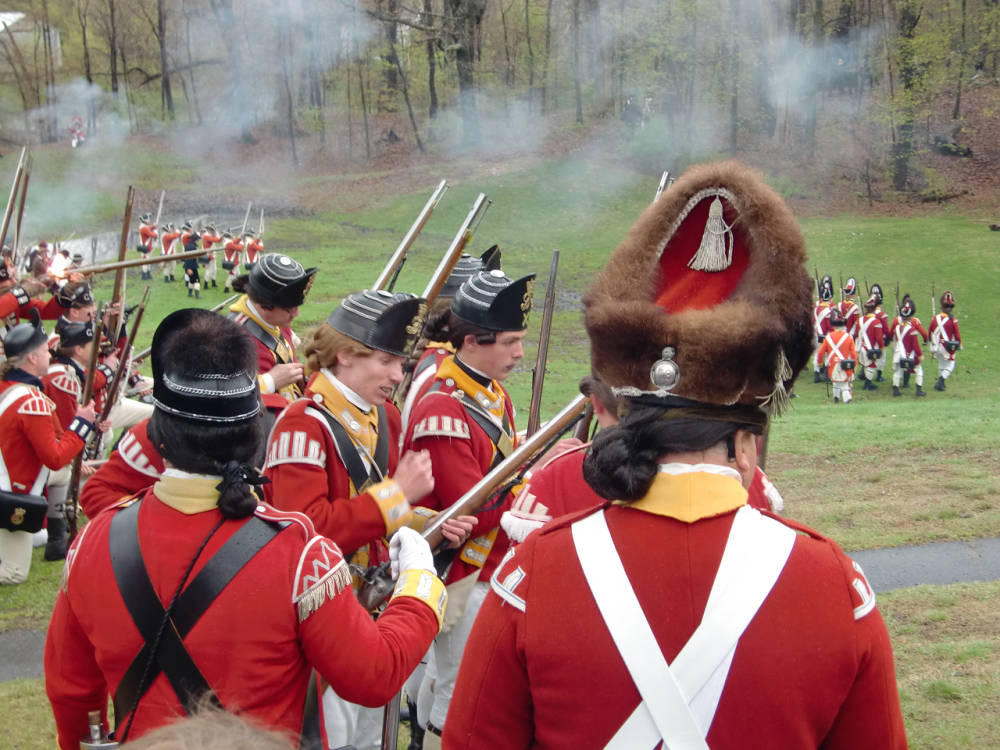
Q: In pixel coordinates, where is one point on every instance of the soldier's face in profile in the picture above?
(499, 359)
(372, 376)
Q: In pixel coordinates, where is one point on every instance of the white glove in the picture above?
(409, 551)
(518, 525)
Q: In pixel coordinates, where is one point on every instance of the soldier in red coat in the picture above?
(821, 321)
(64, 384)
(652, 618)
(209, 239)
(32, 442)
(17, 299)
(907, 356)
(254, 248)
(272, 293)
(870, 344)
(200, 591)
(232, 252)
(883, 320)
(849, 307)
(946, 339)
(147, 238)
(333, 454)
(167, 239)
(465, 422)
(840, 356)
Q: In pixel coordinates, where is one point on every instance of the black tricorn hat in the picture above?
(74, 332)
(279, 280)
(25, 337)
(388, 321)
(466, 267)
(200, 396)
(491, 300)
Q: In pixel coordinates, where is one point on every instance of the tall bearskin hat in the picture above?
(466, 267)
(491, 300)
(906, 308)
(851, 286)
(837, 317)
(279, 280)
(947, 300)
(708, 298)
(826, 289)
(877, 293)
(872, 302)
(387, 321)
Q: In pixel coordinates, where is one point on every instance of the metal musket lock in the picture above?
(376, 587)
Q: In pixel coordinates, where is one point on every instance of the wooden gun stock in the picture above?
(397, 258)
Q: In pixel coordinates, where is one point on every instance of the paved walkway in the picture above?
(886, 569)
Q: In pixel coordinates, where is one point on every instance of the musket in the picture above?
(260, 227)
(136, 262)
(538, 373)
(118, 293)
(378, 584)
(228, 301)
(20, 207)
(72, 505)
(123, 364)
(662, 186)
(441, 273)
(8, 212)
(159, 209)
(898, 309)
(933, 302)
(868, 289)
(246, 218)
(396, 259)
(841, 288)
(819, 291)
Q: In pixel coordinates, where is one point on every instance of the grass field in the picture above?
(878, 472)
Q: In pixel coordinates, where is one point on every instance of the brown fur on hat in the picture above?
(749, 347)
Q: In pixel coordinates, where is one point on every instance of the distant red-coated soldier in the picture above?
(883, 320)
(840, 356)
(32, 442)
(209, 239)
(200, 551)
(821, 321)
(167, 239)
(254, 248)
(870, 344)
(232, 253)
(434, 346)
(946, 339)
(849, 308)
(147, 238)
(907, 356)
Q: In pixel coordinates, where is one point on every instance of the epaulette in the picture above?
(67, 383)
(37, 405)
(296, 446)
(321, 575)
(442, 426)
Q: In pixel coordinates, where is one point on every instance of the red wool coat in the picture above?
(133, 466)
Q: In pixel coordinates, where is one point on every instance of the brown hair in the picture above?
(326, 343)
(594, 387)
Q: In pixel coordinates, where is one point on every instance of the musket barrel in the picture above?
(136, 262)
(472, 500)
(454, 250)
(538, 374)
(397, 257)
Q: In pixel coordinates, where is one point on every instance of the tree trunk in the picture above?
(232, 38)
(577, 96)
(531, 52)
(957, 111)
(82, 6)
(190, 59)
(466, 17)
(432, 104)
(166, 94)
(285, 55)
(406, 97)
(364, 113)
(909, 77)
(113, 47)
(548, 57)
(391, 28)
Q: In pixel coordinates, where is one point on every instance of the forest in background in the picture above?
(867, 83)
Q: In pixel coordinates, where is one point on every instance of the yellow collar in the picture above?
(490, 399)
(362, 425)
(243, 306)
(187, 493)
(446, 345)
(691, 496)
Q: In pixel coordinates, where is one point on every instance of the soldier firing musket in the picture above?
(390, 272)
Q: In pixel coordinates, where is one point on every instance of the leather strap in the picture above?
(361, 476)
(265, 337)
(147, 611)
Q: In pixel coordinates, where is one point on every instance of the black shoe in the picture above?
(836, 400)
(895, 391)
(920, 392)
(817, 378)
(55, 547)
(939, 385)
(166, 279)
(214, 285)
(879, 378)
(870, 386)
(197, 294)
(190, 293)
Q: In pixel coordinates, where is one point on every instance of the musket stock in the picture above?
(396, 259)
(538, 374)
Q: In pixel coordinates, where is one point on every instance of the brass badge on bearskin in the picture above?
(17, 517)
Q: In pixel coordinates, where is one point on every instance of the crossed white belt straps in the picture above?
(679, 700)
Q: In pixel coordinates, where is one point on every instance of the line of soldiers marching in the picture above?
(244, 534)
(237, 247)
(854, 343)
